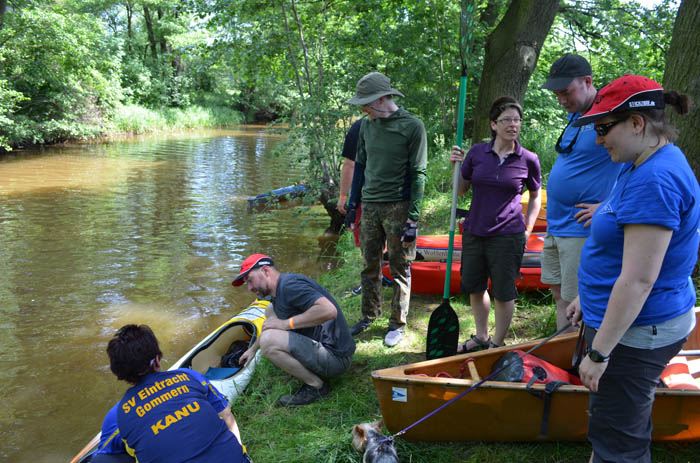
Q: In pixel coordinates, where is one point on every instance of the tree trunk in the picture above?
(443, 88)
(489, 15)
(3, 7)
(163, 42)
(129, 33)
(149, 27)
(512, 51)
(300, 31)
(292, 60)
(682, 75)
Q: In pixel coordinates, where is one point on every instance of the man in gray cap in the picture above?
(391, 162)
(581, 178)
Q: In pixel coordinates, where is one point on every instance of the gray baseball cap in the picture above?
(565, 69)
(372, 87)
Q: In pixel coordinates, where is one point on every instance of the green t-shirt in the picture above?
(394, 151)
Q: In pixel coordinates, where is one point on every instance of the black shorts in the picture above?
(620, 426)
(495, 257)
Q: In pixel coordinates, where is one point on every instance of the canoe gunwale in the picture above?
(186, 360)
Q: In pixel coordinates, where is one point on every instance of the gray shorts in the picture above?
(560, 259)
(315, 357)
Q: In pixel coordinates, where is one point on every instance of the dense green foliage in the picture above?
(65, 70)
(77, 68)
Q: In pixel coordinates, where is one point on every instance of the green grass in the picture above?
(321, 432)
(138, 119)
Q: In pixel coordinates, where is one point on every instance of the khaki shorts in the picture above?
(560, 258)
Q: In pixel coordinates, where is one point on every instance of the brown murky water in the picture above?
(138, 231)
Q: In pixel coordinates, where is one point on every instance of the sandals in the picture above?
(479, 345)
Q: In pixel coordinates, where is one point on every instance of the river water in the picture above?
(142, 230)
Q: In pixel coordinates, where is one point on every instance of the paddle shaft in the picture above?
(455, 181)
(465, 35)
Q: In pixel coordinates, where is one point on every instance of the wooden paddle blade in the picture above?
(443, 332)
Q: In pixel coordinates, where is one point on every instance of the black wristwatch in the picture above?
(597, 357)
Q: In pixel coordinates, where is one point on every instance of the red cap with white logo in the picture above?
(251, 263)
(627, 93)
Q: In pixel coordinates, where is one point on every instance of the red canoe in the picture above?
(434, 248)
(429, 278)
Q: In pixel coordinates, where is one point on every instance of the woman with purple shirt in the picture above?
(495, 232)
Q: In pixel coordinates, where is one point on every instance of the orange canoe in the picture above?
(503, 411)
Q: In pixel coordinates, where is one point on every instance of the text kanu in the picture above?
(174, 417)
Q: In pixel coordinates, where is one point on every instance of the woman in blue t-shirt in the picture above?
(635, 293)
(495, 232)
(174, 416)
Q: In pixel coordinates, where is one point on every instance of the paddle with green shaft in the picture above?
(443, 327)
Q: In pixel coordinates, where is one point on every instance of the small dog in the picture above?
(368, 437)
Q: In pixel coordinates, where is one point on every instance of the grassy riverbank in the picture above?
(139, 119)
(321, 432)
(131, 119)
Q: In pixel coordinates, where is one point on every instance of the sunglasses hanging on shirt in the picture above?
(569, 148)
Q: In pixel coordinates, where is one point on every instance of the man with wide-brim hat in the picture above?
(582, 177)
(371, 87)
(389, 178)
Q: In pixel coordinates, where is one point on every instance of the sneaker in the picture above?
(393, 337)
(357, 290)
(359, 327)
(305, 395)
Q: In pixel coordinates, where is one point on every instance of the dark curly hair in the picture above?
(131, 351)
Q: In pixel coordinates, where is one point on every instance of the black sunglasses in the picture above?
(603, 129)
(569, 148)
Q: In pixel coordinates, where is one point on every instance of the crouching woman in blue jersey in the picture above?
(635, 293)
(173, 416)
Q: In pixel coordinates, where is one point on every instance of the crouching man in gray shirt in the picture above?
(305, 332)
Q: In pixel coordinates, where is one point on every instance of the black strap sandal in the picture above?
(493, 345)
(479, 345)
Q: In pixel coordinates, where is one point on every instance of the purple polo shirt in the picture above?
(497, 188)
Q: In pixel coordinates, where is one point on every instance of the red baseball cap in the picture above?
(252, 262)
(626, 93)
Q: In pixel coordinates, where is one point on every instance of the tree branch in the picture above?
(291, 53)
(303, 48)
